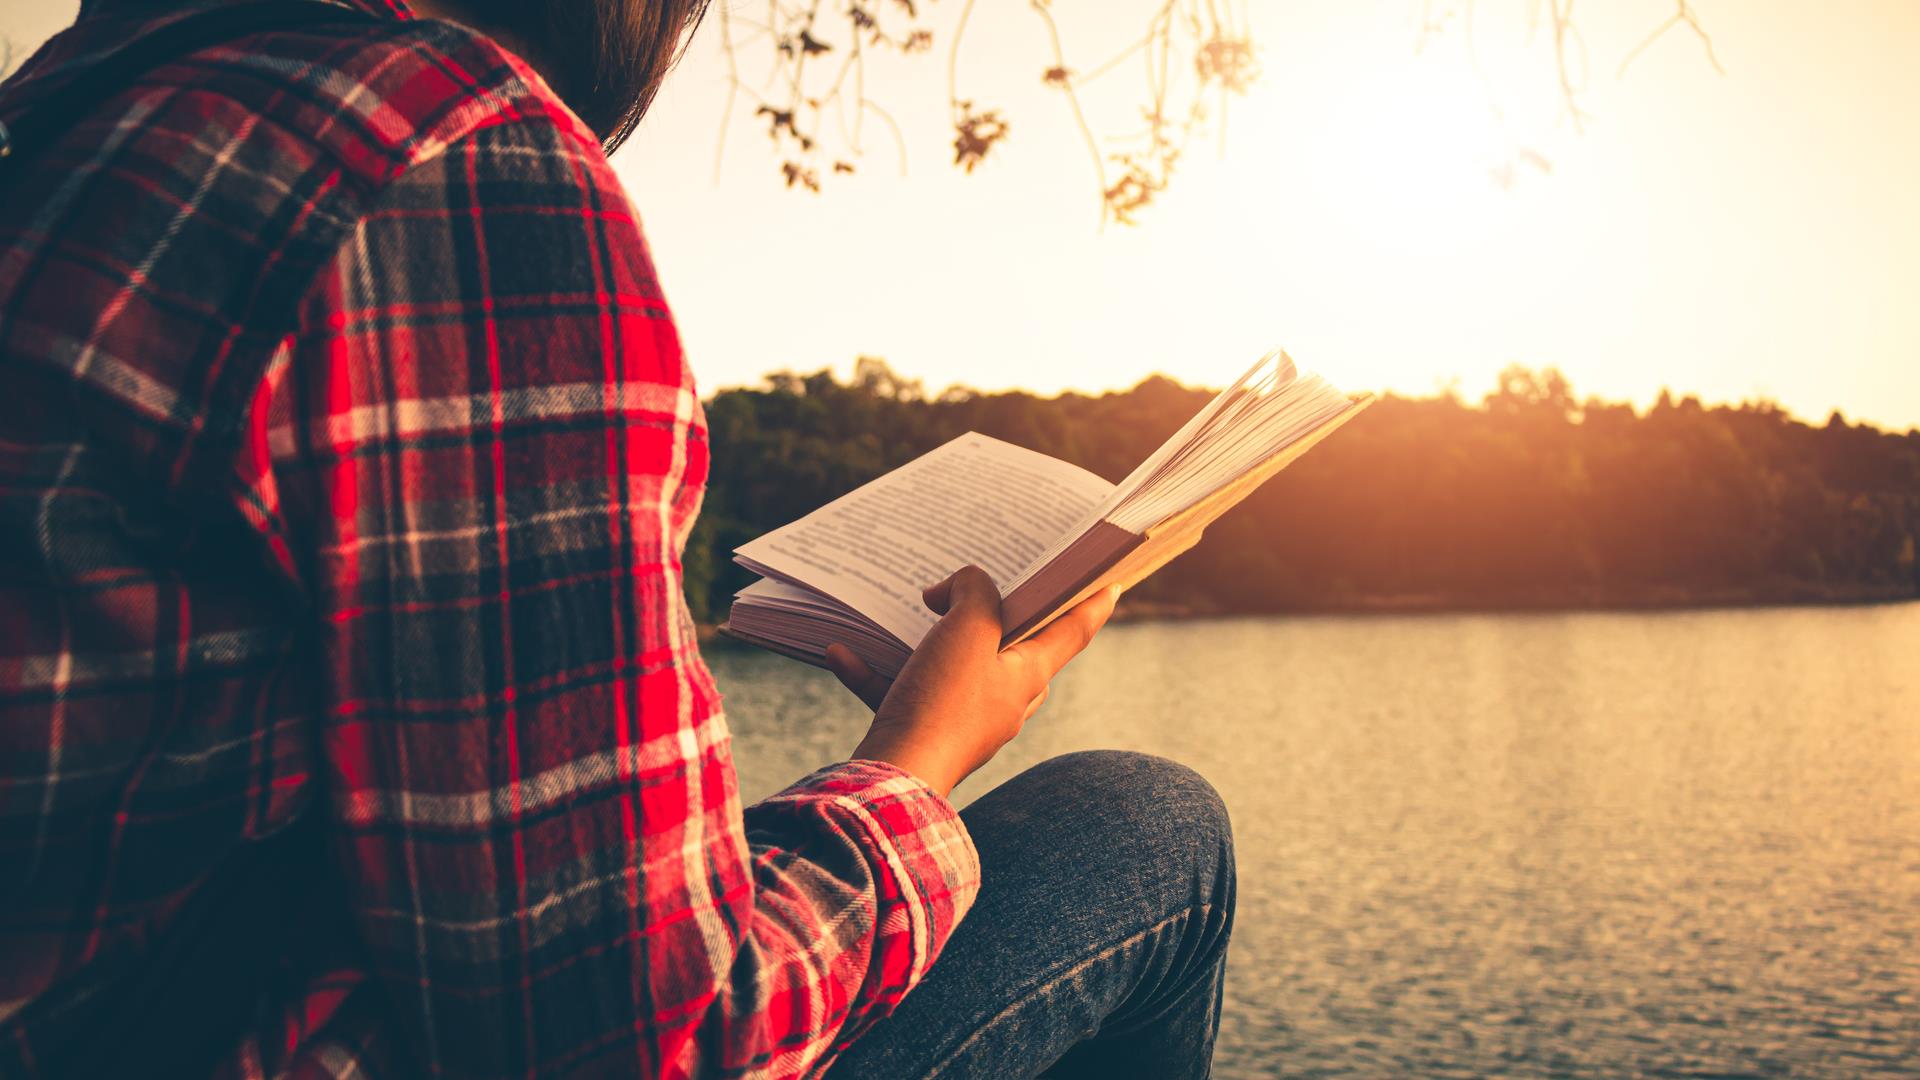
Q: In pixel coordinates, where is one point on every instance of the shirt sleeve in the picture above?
(489, 454)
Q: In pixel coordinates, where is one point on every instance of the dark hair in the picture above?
(608, 57)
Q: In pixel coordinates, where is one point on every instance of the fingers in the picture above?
(1064, 637)
(938, 594)
(854, 674)
(1033, 706)
(969, 593)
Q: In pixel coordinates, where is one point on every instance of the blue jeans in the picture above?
(1099, 941)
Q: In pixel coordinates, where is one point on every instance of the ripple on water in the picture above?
(1593, 845)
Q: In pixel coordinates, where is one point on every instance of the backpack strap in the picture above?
(43, 118)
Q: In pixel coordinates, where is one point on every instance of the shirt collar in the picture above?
(385, 9)
(104, 25)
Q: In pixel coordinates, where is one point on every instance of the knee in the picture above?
(1143, 786)
(1168, 814)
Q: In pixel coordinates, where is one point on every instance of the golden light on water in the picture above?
(1528, 841)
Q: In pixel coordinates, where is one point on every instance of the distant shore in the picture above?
(1438, 604)
(1649, 599)
(1532, 500)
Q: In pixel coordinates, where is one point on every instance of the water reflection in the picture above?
(1566, 845)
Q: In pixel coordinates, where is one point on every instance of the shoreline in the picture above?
(1651, 601)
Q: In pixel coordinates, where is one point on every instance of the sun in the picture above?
(1418, 151)
(1372, 205)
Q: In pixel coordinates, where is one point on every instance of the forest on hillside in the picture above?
(1529, 499)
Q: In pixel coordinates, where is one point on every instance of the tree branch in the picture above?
(1207, 38)
(1683, 15)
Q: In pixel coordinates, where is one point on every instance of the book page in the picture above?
(1270, 408)
(801, 623)
(1176, 444)
(974, 500)
(1274, 420)
(1112, 555)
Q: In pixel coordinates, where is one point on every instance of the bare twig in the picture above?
(733, 87)
(818, 55)
(1566, 35)
(893, 125)
(1062, 76)
(953, 54)
(1683, 15)
(1114, 61)
(1208, 35)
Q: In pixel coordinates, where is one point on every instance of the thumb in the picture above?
(971, 597)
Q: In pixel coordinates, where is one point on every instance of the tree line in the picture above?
(1530, 498)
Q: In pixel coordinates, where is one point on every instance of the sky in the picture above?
(1733, 235)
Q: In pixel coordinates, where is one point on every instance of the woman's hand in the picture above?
(961, 697)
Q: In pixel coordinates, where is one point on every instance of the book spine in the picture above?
(1061, 581)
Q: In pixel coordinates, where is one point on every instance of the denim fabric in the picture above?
(1098, 944)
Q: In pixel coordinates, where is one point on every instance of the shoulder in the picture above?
(158, 254)
(379, 99)
(501, 248)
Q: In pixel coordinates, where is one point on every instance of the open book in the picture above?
(1050, 534)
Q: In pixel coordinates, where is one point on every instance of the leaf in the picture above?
(975, 133)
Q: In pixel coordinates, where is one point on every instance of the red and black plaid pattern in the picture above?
(347, 454)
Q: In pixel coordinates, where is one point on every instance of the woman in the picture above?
(354, 722)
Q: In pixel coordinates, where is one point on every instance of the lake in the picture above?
(1587, 845)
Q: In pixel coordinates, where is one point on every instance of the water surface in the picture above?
(1588, 845)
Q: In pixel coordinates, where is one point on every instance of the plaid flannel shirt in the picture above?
(346, 459)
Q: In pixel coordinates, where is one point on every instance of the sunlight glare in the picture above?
(1411, 159)
(1395, 183)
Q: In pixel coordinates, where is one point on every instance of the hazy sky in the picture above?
(1731, 235)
